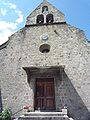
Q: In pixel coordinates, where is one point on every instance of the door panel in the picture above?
(45, 94)
(49, 103)
(49, 89)
(39, 103)
(40, 90)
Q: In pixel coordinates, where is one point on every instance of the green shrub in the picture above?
(5, 115)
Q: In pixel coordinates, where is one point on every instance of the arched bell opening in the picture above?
(49, 18)
(40, 19)
(44, 9)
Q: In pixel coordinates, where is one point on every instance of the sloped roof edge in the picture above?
(44, 3)
(4, 45)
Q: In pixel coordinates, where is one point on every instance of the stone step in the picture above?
(43, 118)
(45, 114)
(37, 115)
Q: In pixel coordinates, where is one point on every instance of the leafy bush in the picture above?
(5, 115)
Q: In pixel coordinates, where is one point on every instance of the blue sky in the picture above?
(13, 14)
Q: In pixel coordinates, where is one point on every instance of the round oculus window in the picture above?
(45, 48)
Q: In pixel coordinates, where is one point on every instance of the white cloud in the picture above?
(20, 19)
(8, 28)
(20, 16)
(12, 6)
(4, 34)
(7, 25)
(3, 11)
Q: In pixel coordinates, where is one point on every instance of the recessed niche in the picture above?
(45, 48)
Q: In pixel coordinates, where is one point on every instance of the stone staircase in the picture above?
(45, 116)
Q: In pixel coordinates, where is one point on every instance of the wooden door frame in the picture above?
(35, 89)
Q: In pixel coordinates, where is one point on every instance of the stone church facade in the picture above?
(46, 65)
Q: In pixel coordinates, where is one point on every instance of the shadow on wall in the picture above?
(75, 105)
(67, 95)
(0, 101)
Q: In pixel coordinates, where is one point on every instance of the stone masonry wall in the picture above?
(68, 47)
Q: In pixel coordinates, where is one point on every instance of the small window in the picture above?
(44, 9)
(49, 18)
(40, 19)
(45, 48)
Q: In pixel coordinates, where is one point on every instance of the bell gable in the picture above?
(45, 13)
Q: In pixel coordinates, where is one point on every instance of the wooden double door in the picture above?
(45, 94)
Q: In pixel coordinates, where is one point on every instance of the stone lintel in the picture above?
(42, 68)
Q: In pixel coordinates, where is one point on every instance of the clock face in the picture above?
(44, 37)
